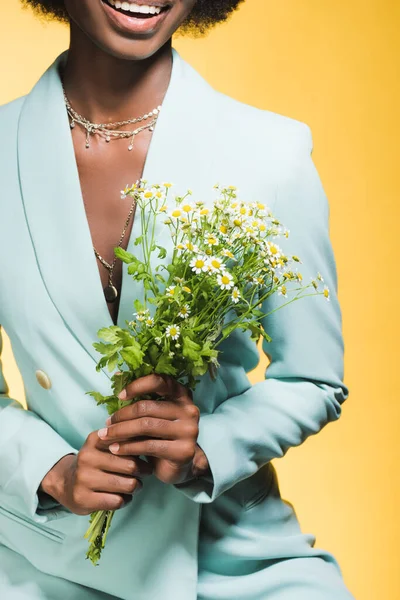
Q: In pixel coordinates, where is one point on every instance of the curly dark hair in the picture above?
(204, 15)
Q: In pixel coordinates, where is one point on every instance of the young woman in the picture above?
(209, 522)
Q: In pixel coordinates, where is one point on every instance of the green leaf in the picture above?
(132, 268)
(159, 278)
(113, 406)
(163, 253)
(125, 256)
(154, 353)
(138, 305)
(109, 334)
(138, 240)
(106, 349)
(125, 337)
(100, 399)
(164, 366)
(113, 361)
(133, 355)
(190, 349)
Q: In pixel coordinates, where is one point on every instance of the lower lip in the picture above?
(134, 24)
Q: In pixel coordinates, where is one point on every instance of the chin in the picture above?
(128, 30)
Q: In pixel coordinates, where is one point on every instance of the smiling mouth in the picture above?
(140, 11)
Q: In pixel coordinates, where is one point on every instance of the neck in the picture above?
(104, 88)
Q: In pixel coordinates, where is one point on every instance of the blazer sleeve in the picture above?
(303, 389)
(29, 448)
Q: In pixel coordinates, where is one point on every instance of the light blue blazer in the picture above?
(232, 537)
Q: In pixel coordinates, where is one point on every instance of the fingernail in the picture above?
(122, 395)
(102, 433)
(108, 421)
(114, 448)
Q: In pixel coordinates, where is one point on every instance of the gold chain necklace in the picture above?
(110, 291)
(110, 131)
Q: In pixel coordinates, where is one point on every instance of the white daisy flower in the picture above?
(228, 254)
(282, 291)
(158, 340)
(235, 295)
(225, 281)
(199, 264)
(142, 314)
(211, 240)
(173, 331)
(184, 311)
(326, 293)
(176, 213)
(191, 247)
(149, 321)
(273, 250)
(215, 265)
(170, 290)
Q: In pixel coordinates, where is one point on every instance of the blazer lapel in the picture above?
(52, 196)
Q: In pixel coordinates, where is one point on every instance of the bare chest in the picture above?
(104, 170)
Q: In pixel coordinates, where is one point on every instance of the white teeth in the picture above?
(135, 8)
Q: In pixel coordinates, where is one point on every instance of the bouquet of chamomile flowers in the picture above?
(220, 265)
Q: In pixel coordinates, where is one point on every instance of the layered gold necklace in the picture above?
(111, 131)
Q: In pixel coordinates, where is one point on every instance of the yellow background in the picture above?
(336, 66)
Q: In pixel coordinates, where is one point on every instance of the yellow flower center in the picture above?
(216, 263)
(260, 206)
(199, 264)
(243, 210)
(204, 211)
(212, 240)
(262, 227)
(173, 331)
(225, 279)
(189, 246)
(187, 208)
(163, 208)
(237, 222)
(176, 213)
(187, 289)
(326, 293)
(223, 229)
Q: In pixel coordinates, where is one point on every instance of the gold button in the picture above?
(43, 379)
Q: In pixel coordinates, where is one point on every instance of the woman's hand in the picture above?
(166, 431)
(94, 479)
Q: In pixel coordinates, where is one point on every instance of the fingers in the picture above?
(159, 384)
(155, 409)
(148, 426)
(104, 501)
(146, 408)
(127, 465)
(180, 452)
(99, 481)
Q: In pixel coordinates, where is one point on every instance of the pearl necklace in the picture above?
(111, 131)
